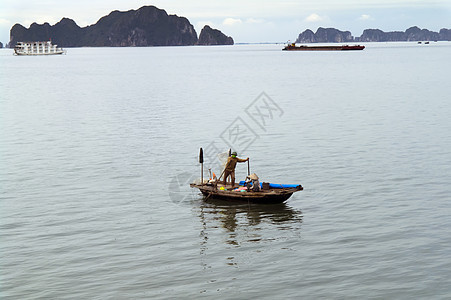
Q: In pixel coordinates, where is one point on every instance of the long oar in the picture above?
(223, 171)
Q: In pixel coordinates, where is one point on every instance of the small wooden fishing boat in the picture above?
(264, 193)
(269, 196)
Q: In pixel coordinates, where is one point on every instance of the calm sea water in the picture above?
(97, 148)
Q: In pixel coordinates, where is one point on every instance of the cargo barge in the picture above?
(293, 47)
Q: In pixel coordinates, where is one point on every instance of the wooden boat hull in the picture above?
(270, 196)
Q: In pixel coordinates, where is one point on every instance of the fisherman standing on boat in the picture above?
(230, 167)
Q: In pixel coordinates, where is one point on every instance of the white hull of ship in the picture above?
(37, 48)
(39, 54)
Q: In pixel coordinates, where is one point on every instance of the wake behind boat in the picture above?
(37, 48)
(250, 190)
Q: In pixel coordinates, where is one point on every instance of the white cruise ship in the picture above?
(37, 48)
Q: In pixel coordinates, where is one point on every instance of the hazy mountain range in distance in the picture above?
(151, 26)
(332, 35)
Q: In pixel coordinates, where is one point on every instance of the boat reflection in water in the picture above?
(247, 222)
(230, 232)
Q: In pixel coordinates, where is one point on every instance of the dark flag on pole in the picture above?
(201, 156)
(201, 161)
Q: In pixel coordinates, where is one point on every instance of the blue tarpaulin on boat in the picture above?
(277, 185)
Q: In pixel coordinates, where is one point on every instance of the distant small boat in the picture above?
(293, 47)
(426, 43)
(37, 48)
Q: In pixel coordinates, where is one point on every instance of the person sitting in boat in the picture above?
(252, 183)
(230, 167)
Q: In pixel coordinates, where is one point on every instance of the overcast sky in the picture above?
(245, 20)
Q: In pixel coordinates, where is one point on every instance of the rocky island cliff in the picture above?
(147, 26)
(332, 35)
(210, 36)
(325, 35)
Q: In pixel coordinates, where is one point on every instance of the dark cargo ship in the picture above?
(293, 47)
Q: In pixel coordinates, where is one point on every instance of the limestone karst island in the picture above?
(147, 26)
